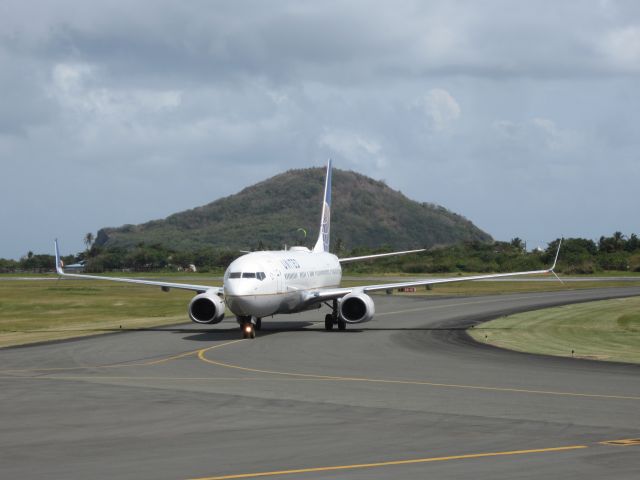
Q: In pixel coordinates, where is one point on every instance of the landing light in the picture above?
(247, 329)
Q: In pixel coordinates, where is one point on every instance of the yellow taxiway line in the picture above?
(202, 352)
(116, 365)
(302, 376)
(392, 463)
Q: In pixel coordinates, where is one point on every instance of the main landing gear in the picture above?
(249, 325)
(333, 318)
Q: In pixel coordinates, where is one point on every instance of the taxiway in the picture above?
(408, 395)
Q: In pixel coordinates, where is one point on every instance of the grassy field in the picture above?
(40, 310)
(604, 330)
(34, 311)
(505, 287)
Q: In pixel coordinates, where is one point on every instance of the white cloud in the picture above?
(553, 137)
(622, 48)
(75, 87)
(354, 147)
(440, 108)
(536, 134)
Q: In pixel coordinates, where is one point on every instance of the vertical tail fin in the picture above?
(322, 245)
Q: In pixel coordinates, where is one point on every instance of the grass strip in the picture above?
(33, 311)
(605, 330)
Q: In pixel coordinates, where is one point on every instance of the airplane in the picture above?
(266, 283)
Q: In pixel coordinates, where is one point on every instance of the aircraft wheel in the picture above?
(342, 325)
(328, 322)
(248, 330)
(258, 324)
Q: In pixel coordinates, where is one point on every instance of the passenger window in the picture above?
(249, 275)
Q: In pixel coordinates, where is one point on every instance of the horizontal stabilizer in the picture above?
(378, 255)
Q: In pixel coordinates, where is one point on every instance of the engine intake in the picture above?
(206, 308)
(356, 308)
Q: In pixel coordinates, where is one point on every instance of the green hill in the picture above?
(365, 213)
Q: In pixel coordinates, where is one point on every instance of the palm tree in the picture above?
(518, 244)
(88, 240)
(618, 240)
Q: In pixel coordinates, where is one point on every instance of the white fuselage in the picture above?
(260, 284)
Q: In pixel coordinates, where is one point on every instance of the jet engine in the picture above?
(206, 308)
(356, 308)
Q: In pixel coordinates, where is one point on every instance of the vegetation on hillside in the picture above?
(277, 211)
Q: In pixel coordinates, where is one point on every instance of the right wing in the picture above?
(322, 295)
(163, 285)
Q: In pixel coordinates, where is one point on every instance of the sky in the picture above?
(522, 116)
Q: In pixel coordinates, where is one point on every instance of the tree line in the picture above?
(578, 256)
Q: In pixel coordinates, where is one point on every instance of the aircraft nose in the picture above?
(241, 305)
(235, 288)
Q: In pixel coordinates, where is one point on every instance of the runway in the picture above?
(407, 395)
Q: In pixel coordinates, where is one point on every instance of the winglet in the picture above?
(322, 245)
(59, 263)
(555, 261)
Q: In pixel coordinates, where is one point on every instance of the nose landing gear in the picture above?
(248, 330)
(249, 325)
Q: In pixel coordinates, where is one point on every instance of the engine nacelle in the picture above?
(206, 308)
(356, 308)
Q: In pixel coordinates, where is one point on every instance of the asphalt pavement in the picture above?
(408, 395)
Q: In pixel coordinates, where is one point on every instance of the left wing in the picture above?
(321, 295)
(164, 285)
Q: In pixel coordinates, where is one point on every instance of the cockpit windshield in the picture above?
(259, 275)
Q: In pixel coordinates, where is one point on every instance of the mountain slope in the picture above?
(365, 212)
